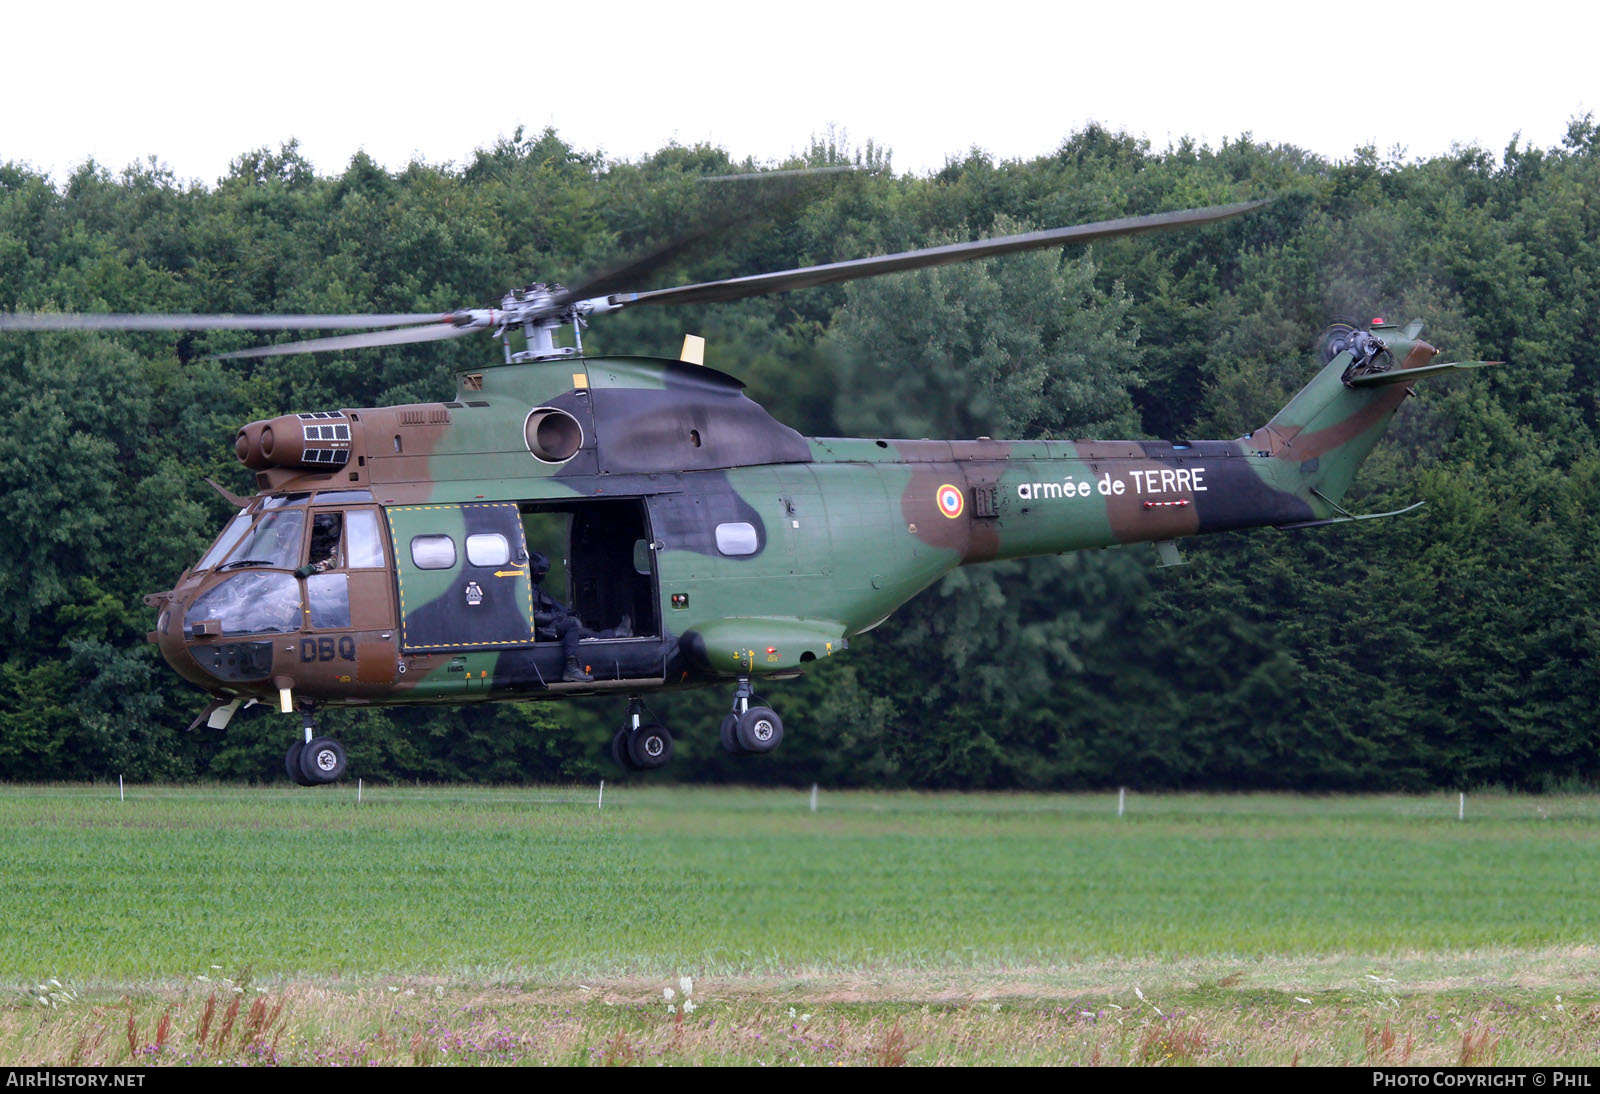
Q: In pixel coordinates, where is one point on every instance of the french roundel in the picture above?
(950, 501)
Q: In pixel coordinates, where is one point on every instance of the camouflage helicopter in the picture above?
(406, 554)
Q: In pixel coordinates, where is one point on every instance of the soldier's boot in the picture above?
(574, 674)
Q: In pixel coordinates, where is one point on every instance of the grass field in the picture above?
(454, 925)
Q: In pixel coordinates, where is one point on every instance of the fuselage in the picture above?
(385, 557)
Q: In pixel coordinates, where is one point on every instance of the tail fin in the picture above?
(1331, 426)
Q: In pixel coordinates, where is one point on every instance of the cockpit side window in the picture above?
(328, 600)
(326, 531)
(362, 539)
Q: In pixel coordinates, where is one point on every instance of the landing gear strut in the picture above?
(314, 760)
(640, 745)
(749, 728)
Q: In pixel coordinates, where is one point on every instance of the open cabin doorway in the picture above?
(601, 564)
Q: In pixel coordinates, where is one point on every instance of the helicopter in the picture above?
(405, 554)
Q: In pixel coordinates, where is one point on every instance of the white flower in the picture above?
(688, 1006)
(791, 1012)
(668, 994)
(1301, 999)
(805, 1018)
(685, 984)
(671, 1009)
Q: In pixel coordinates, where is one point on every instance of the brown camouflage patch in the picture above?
(1136, 515)
(1289, 442)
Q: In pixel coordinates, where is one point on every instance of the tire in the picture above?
(730, 734)
(759, 730)
(619, 750)
(291, 763)
(322, 761)
(650, 747)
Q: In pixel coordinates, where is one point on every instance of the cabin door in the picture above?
(461, 576)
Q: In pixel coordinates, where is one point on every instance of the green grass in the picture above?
(526, 926)
(541, 885)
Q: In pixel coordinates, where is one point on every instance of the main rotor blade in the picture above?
(737, 288)
(432, 333)
(750, 195)
(62, 321)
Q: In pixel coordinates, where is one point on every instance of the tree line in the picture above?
(1457, 646)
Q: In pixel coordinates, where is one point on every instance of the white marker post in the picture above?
(1122, 799)
(1461, 808)
(813, 797)
(601, 802)
(121, 796)
(358, 791)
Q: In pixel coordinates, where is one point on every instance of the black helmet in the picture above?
(538, 566)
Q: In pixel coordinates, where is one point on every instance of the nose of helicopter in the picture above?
(201, 655)
(170, 639)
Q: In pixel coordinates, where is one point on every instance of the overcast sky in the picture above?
(197, 84)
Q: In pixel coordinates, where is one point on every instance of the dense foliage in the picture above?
(1456, 646)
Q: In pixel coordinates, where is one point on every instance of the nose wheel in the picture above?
(314, 761)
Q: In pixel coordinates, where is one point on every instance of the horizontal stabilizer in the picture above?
(1406, 375)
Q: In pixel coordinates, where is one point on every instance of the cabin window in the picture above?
(737, 538)
(488, 549)
(433, 552)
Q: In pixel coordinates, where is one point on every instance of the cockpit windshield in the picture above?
(230, 535)
(274, 542)
(250, 603)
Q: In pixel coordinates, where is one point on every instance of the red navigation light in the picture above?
(1378, 322)
(772, 649)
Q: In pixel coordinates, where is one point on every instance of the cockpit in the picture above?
(309, 566)
(269, 547)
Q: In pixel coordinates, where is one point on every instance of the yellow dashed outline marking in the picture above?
(400, 581)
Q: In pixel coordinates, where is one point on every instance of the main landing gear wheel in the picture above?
(729, 734)
(322, 761)
(640, 745)
(619, 749)
(759, 729)
(291, 764)
(649, 747)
